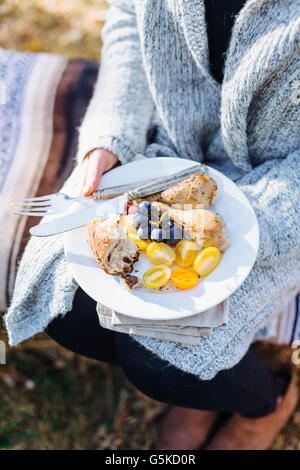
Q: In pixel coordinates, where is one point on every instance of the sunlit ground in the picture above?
(76, 403)
(70, 27)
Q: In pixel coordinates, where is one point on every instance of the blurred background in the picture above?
(49, 397)
(69, 27)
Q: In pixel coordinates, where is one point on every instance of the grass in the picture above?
(77, 403)
(82, 404)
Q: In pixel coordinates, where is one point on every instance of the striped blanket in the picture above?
(43, 98)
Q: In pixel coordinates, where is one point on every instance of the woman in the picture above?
(214, 82)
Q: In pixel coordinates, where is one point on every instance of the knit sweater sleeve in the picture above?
(274, 192)
(121, 108)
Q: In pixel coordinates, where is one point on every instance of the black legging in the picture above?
(248, 388)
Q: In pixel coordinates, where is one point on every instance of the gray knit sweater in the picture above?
(155, 95)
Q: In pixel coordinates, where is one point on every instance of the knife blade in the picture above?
(80, 218)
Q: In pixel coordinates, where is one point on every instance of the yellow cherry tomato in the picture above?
(160, 253)
(207, 261)
(184, 278)
(142, 244)
(126, 222)
(186, 251)
(157, 276)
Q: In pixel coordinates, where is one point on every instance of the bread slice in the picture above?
(196, 189)
(108, 241)
(204, 227)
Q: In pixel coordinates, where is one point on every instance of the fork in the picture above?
(58, 203)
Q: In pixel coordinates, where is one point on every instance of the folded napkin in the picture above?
(184, 330)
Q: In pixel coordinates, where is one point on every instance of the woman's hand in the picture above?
(95, 163)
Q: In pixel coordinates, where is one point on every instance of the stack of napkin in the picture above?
(187, 330)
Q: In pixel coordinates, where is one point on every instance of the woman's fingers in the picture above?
(94, 171)
(94, 165)
(84, 167)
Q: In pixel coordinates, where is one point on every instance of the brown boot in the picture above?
(241, 433)
(184, 429)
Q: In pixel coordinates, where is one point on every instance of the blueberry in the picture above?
(144, 232)
(140, 220)
(154, 213)
(144, 221)
(136, 220)
(154, 221)
(145, 207)
(155, 234)
(171, 233)
(166, 222)
(158, 235)
(175, 233)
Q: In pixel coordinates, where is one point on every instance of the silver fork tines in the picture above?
(49, 204)
(33, 213)
(32, 204)
(34, 199)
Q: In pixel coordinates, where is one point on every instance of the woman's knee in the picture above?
(148, 373)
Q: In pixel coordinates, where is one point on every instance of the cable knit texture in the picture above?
(155, 95)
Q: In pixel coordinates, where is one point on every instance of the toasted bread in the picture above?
(108, 241)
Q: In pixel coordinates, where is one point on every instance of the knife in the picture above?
(80, 218)
(102, 210)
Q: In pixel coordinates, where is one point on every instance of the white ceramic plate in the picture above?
(235, 265)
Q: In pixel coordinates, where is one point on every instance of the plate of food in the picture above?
(173, 254)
